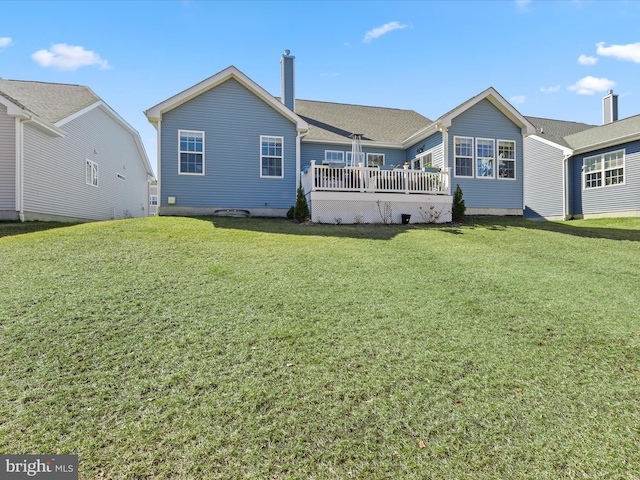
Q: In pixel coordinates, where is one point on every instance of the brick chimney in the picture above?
(609, 108)
(288, 81)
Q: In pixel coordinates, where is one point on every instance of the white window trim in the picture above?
(180, 132)
(282, 156)
(473, 156)
(515, 163)
(151, 197)
(373, 153)
(334, 151)
(493, 168)
(93, 181)
(604, 170)
(421, 158)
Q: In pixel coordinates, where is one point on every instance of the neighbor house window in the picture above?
(91, 173)
(603, 170)
(271, 157)
(375, 159)
(485, 157)
(463, 156)
(333, 156)
(506, 159)
(191, 152)
(153, 200)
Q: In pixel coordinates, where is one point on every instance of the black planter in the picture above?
(405, 218)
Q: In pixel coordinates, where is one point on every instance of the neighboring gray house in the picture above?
(575, 170)
(227, 145)
(65, 155)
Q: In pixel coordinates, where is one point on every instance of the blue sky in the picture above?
(553, 59)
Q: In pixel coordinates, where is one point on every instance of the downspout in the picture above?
(565, 186)
(445, 153)
(19, 169)
(298, 143)
(158, 164)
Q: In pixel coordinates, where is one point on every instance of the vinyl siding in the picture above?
(315, 151)
(7, 161)
(433, 143)
(614, 198)
(54, 170)
(483, 120)
(543, 187)
(233, 119)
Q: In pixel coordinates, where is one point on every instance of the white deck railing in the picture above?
(373, 180)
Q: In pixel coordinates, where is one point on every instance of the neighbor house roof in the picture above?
(615, 133)
(556, 130)
(333, 122)
(50, 101)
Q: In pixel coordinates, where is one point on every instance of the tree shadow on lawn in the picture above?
(567, 227)
(288, 227)
(11, 228)
(388, 232)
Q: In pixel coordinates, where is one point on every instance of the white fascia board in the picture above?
(12, 109)
(421, 134)
(154, 114)
(119, 120)
(497, 101)
(365, 143)
(566, 151)
(614, 142)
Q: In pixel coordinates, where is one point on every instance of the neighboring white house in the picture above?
(65, 155)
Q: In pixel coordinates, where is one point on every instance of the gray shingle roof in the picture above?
(50, 101)
(337, 121)
(605, 133)
(556, 130)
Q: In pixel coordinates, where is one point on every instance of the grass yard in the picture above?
(251, 348)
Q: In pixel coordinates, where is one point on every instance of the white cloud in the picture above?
(379, 31)
(68, 57)
(5, 42)
(629, 52)
(587, 60)
(550, 89)
(590, 85)
(518, 99)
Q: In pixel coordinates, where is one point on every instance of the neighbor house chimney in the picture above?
(288, 81)
(609, 108)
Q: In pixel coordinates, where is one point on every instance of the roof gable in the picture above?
(497, 101)
(51, 102)
(555, 131)
(154, 114)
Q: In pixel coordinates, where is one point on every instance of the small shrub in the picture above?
(301, 210)
(291, 213)
(458, 208)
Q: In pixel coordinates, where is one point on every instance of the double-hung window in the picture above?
(91, 173)
(375, 159)
(333, 157)
(485, 157)
(506, 159)
(463, 156)
(271, 156)
(603, 170)
(191, 152)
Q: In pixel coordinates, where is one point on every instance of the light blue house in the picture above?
(227, 146)
(576, 170)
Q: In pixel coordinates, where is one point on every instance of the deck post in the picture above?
(406, 178)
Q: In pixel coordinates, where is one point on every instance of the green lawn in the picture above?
(250, 348)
